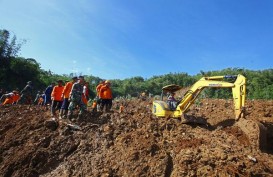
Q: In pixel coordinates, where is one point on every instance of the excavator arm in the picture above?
(238, 91)
(160, 109)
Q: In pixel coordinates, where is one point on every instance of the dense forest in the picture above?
(15, 71)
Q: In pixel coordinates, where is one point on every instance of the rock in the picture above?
(52, 124)
(73, 127)
(223, 156)
(253, 159)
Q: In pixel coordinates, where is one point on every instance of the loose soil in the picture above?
(134, 142)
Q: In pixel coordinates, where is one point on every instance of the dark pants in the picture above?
(72, 106)
(25, 99)
(107, 103)
(65, 104)
(47, 100)
(55, 105)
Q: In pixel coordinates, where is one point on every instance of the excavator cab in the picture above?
(160, 107)
(169, 89)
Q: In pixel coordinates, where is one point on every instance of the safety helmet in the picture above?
(29, 82)
(107, 82)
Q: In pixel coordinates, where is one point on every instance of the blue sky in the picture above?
(124, 38)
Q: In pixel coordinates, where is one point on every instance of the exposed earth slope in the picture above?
(135, 143)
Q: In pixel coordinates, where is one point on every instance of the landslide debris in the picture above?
(134, 142)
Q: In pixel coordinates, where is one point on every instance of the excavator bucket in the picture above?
(255, 131)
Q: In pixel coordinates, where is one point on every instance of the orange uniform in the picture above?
(16, 97)
(67, 89)
(121, 108)
(105, 92)
(12, 98)
(98, 88)
(94, 105)
(40, 101)
(84, 100)
(8, 101)
(57, 93)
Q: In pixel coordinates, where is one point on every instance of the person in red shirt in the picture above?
(65, 96)
(56, 97)
(106, 96)
(85, 95)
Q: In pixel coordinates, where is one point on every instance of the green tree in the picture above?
(9, 49)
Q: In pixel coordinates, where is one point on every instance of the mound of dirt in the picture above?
(134, 142)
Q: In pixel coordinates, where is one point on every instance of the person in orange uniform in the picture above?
(121, 108)
(94, 106)
(56, 97)
(41, 100)
(102, 83)
(106, 96)
(11, 98)
(65, 96)
(16, 97)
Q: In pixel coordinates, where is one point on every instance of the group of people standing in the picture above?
(65, 97)
(75, 94)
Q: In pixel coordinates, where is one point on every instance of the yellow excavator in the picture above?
(162, 109)
(249, 127)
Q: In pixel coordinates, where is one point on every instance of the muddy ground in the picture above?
(135, 143)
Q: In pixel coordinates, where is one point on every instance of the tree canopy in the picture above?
(16, 71)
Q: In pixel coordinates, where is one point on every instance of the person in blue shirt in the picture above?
(47, 93)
